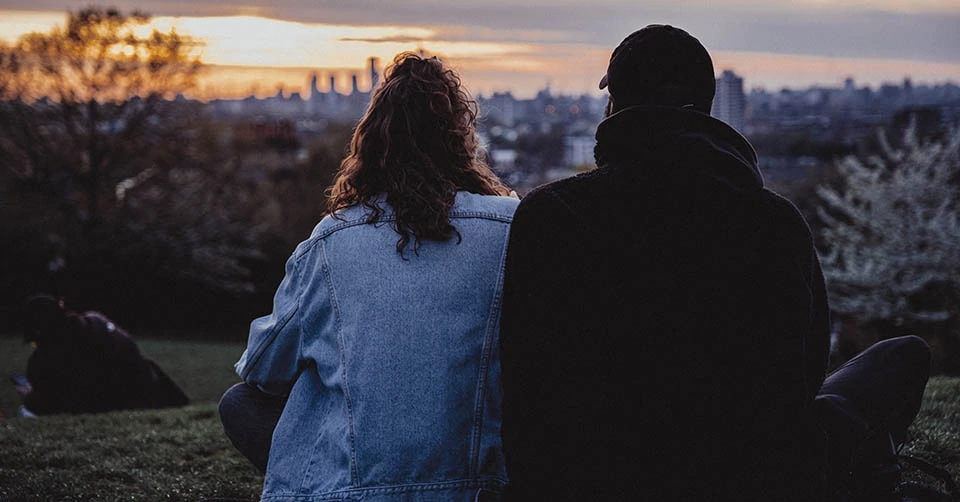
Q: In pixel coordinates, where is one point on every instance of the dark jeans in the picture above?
(249, 416)
(863, 405)
(866, 406)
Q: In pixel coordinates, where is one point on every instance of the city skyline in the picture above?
(497, 47)
(350, 80)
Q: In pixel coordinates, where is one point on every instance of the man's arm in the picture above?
(804, 293)
(536, 285)
(818, 342)
(794, 370)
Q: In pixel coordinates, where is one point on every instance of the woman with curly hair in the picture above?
(377, 374)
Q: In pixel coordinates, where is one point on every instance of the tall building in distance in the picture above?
(374, 74)
(729, 103)
(333, 103)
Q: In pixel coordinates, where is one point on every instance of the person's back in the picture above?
(85, 363)
(401, 356)
(662, 322)
(105, 368)
(376, 377)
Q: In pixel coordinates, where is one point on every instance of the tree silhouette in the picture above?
(84, 106)
(113, 186)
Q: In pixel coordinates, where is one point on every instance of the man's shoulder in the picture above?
(584, 181)
(568, 193)
(781, 210)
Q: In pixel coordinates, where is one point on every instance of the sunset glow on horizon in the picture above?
(248, 53)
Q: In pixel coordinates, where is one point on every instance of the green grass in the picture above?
(203, 369)
(935, 434)
(147, 455)
(182, 454)
(174, 454)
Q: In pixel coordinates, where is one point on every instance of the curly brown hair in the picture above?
(417, 146)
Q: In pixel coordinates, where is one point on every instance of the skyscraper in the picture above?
(374, 74)
(729, 103)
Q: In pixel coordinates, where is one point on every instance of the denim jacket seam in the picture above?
(326, 232)
(262, 348)
(354, 474)
(387, 218)
(346, 493)
(299, 302)
(487, 215)
(493, 322)
(351, 432)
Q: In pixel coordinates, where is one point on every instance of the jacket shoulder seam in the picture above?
(386, 219)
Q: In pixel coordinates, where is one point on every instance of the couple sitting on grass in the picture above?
(655, 329)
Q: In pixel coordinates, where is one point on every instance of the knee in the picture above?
(231, 405)
(915, 350)
(914, 353)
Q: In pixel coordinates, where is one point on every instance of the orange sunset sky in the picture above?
(258, 46)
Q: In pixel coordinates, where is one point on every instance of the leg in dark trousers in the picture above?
(249, 417)
(868, 403)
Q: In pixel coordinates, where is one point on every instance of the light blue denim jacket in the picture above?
(391, 365)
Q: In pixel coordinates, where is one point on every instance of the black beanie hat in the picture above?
(661, 65)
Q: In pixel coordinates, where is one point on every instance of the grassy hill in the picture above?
(182, 454)
(176, 454)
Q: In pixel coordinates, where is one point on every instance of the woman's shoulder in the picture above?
(342, 218)
(492, 206)
(466, 205)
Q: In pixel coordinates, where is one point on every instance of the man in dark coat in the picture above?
(665, 325)
(85, 363)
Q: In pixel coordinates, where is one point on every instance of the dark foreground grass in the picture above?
(148, 455)
(935, 434)
(182, 454)
(174, 454)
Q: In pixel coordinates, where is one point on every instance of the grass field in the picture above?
(182, 454)
(175, 454)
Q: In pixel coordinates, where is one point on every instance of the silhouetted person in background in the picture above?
(85, 363)
(665, 326)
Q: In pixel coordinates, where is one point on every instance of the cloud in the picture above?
(397, 39)
(924, 30)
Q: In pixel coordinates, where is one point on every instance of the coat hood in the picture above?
(658, 137)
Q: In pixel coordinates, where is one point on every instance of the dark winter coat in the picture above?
(665, 325)
(94, 366)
